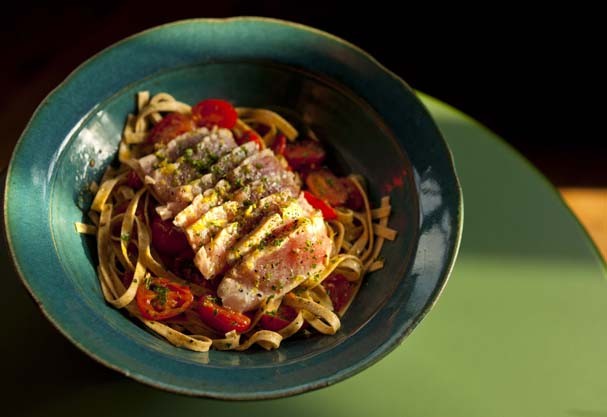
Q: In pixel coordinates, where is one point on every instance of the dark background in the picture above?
(520, 73)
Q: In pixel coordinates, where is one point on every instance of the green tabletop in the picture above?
(520, 330)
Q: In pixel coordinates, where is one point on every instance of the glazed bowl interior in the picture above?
(358, 140)
(373, 125)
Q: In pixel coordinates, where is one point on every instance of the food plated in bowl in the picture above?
(370, 124)
(204, 235)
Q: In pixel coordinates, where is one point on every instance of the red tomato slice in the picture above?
(167, 238)
(250, 136)
(171, 126)
(327, 211)
(340, 290)
(214, 112)
(280, 144)
(326, 186)
(222, 319)
(278, 321)
(305, 154)
(163, 299)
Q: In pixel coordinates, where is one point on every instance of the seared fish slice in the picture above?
(238, 238)
(277, 265)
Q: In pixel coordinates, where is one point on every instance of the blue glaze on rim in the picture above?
(33, 168)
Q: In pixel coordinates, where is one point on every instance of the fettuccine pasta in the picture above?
(205, 235)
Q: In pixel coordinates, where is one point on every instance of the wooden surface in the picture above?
(590, 207)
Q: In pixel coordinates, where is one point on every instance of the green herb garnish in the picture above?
(161, 293)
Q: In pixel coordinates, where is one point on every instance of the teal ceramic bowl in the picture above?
(371, 119)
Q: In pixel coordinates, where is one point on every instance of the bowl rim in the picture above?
(389, 344)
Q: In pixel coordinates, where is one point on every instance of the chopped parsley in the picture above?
(200, 165)
(212, 157)
(161, 293)
(216, 169)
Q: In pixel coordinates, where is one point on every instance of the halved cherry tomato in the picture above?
(162, 299)
(340, 290)
(221, 318)
(305, 154)
(211, 112)
(171, 126)
(250, 136)
(167, 238)
(280, 144)
(355, 199)
(279, 320)
(133, 180)
(327, 211)
(326, 186)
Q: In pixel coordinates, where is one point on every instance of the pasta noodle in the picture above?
(129, 265)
